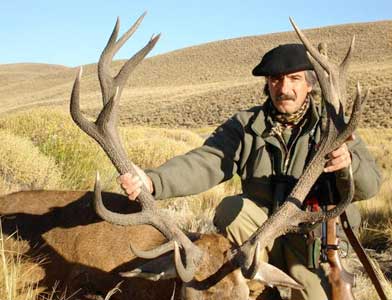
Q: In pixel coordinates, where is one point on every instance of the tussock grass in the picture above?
(55, 135)
(151, 147)
(23, 166)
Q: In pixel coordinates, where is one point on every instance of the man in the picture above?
(268, 146)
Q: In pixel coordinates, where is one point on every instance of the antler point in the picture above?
(80, 72)
(359, 87)
(117, 21)
(97, 177)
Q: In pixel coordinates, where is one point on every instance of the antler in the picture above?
(335, 132)
(104, 131)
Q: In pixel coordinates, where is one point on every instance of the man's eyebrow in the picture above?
(295, 76)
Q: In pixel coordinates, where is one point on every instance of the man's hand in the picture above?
(132, 185)
(340, 158)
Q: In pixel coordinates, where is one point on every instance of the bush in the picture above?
(23, 166)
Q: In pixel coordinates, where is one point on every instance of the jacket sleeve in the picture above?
(367, 176)
(203, 167)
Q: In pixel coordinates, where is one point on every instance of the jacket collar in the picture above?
(262, 123)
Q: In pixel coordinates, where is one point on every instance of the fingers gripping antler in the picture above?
(335, 132)
(104, 131)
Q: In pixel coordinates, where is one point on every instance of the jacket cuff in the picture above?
(354, 161)
(156, 183)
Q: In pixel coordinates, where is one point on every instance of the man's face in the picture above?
(288, 91)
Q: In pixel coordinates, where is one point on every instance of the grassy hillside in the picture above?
(205, 84)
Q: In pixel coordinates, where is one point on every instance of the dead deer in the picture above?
(89, 253)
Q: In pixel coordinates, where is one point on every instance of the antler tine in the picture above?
(158, 251)
(186, 274)
(347, 58)
(76, 115)
(313, 51)
(111, 217)
(325, 70)
(333, 83)
(128, 34)
(104, 131)
(343, 72)
(335, 132)
(106, 80)
(128, 67)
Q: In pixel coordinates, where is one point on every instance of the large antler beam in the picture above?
(104, 131)
(335, 131)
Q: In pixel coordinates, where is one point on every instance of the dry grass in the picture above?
(24, 167)
(377, 212)
(376, 230)
(18, 274)
(151, 147)
(62, 152)
(364, 289)
(55, 135)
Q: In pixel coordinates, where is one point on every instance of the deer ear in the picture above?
(272, 276)
(156, 269)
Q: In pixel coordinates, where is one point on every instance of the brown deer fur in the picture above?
(83, 252)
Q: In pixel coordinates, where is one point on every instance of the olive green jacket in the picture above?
(245, 145)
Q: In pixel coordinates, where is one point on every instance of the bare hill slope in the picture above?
(205, 84)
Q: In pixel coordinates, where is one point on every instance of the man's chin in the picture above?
(284, 109)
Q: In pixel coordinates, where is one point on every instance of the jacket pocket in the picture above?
(259, 163)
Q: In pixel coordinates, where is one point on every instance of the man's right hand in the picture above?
(132, 185)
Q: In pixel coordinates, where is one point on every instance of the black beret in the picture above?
(283, 59)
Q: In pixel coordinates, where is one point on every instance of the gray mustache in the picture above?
(285, 97)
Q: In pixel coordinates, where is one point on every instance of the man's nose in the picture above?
(285, 86)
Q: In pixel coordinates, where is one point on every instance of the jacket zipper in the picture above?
(287, 150)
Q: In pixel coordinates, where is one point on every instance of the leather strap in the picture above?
(363, 258)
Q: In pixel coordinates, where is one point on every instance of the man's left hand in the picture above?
(339, 159)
